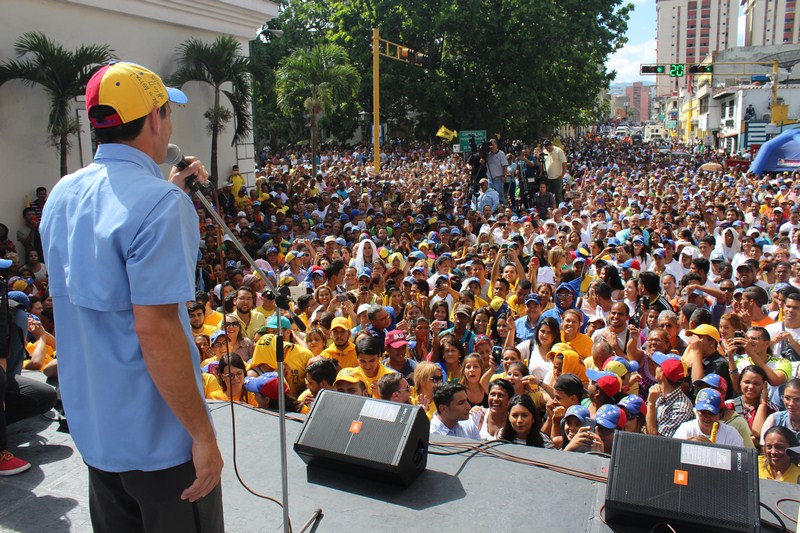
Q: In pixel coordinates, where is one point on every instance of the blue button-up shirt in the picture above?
(117, 234)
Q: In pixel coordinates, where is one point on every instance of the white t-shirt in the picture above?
(725, 434)
(537, 365)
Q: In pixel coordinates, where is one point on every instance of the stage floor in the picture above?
(455, 493)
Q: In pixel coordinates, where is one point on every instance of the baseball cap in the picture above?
(396, 339)
(408, 279)
(659, 252)
(708, 400)
(578, 411)
(214, 336)
(363, 308)
(611, 416)
(471, 280)
(713, 380)
(463, 310)
(131, 90)
(633, 405)
(20, 298)
(533, 297)
(620, 366)
(570, 384)
(671, 366)
(294, 254)
(349, 375)
(266, 384)
(608, 382)
(746, 265)
(705, 329)
(272, 322)
(596, 318)
(341, 322)
(364, 272)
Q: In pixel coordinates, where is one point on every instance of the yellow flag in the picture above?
(445, 133)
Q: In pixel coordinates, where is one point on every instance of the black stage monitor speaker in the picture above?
(385, 440)
(699, 486)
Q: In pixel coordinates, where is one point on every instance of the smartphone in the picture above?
(739, 334)
(363, 289)
(591, 423)
(497, 353)
(341, 298)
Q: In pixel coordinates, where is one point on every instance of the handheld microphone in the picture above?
(175, 158)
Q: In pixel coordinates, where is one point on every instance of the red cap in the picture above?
(396, 339)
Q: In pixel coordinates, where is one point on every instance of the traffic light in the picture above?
(701, 69)
(652, 69)
(412, 56)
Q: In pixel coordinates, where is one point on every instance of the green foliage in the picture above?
(314, 81)
(218, 64)
(62, 73)
(514, 67)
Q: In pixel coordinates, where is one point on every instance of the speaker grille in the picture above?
(684, 481)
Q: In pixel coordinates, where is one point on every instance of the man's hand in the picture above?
(178, 177)
(208, 468)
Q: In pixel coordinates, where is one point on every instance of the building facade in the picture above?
(639, 101)
(770, 22)
(143, 31)
(690, 30)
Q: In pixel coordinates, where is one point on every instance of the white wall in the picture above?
(137, 31)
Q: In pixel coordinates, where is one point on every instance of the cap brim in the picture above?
(397, 344)
(707, 406)
(176, 96)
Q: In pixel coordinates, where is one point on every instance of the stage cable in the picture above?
(231, 402)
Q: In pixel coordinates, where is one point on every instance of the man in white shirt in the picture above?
(452, 412)
(707, 406)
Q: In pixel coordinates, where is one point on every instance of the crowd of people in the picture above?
(616, 288)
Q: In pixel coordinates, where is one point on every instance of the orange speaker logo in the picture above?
(681, 477)
(355, 427)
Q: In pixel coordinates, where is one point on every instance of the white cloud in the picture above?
(641, 2)
(627, 59)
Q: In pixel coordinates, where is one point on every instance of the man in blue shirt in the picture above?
(488, 197)
(121, 243)
(526, 325)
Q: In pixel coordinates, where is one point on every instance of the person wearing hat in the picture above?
(294, 266)
(396, 347)
(342, 350)
(348, 381)
(707, 407)
(635, 412)
(525, 327)
(667, 405)
(295, 356)
(703, 354)
(119, 221)
(461, 316)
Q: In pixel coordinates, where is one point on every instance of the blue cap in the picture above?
(613, 241)
(21, 298)
(417, 269)
(272, 249)
(344, 218)
(231, 264)
(216, 335)
(659, 357)
(596, 375)
(5, 263)
(340, 241)
(409, 279)
(633, 405)
(638, 240)
(578, 411)
(708, 400)
(355, 213)
(632, 366)
(255, 384)
(611, 417)
(532, 297)
(713, 380)
(470, 280)
(659, 252)
(416, 254)
(364, 271)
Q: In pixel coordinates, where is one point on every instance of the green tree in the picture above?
(218, 64)
(313, 79)
(62, 73)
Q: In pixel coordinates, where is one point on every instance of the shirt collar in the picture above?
(124, 152)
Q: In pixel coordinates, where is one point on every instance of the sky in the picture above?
(641, 45)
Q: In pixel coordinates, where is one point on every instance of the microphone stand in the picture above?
(282, 302)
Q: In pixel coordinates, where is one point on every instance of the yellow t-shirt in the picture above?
(792, 475)
(582, 344)
(382, 371)
(213, 319)
(249, 397)
(49, 354)
(346, 358)
(295, 359)
(205, 329)
(210, 384)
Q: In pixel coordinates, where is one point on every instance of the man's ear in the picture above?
(153, 120)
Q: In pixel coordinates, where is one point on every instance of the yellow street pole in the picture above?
(774, 113)
(376, 105)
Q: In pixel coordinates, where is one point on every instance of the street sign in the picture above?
(671, 124)
(464, 136)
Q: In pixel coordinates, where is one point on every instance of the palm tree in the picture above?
(315, 78)
(217, 64)
(62, 73)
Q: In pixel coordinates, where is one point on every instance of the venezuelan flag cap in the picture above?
(131, 90)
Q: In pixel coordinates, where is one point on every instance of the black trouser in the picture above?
(136, 501)
(24, 398)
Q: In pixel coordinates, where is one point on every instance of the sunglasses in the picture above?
(436, 379)
(231, 324)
